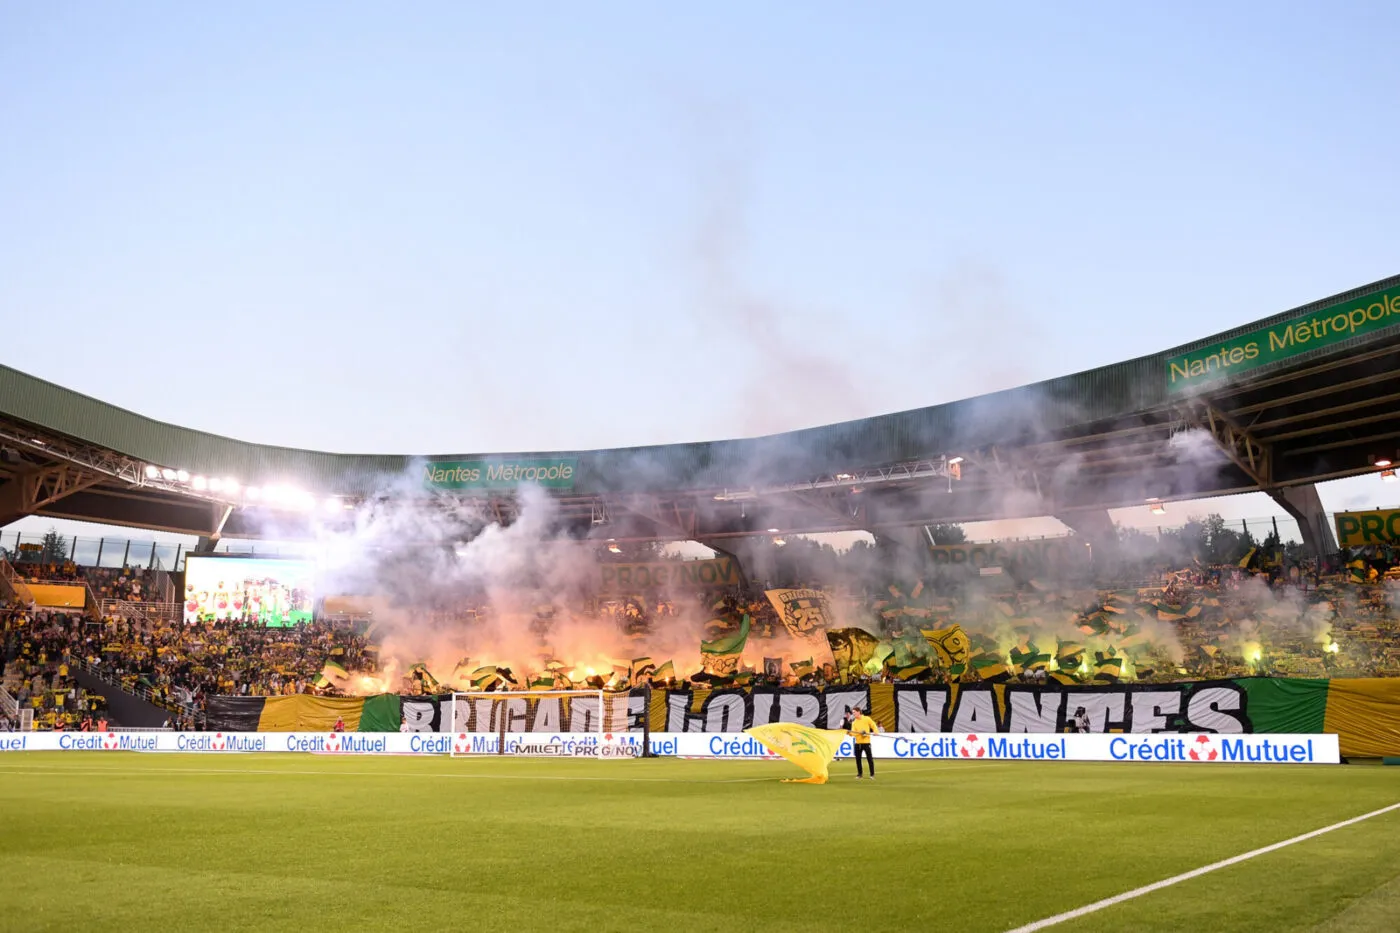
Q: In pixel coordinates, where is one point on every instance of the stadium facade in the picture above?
(1277, 405)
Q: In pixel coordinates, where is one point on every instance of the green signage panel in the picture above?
(1217, 363)
(468, 475)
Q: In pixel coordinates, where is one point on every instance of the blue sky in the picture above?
(449, 227)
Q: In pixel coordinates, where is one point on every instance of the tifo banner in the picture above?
(1363, 712)
(468, 475)
(1034, 558)
(626, 579)
(58, 596)
(1315, 330)
(804, 613)
(1199, 748)
(1358, 529)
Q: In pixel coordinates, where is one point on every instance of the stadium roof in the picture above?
(1294, 398)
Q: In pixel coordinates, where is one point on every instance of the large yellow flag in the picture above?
(952, 646)
(810, 749)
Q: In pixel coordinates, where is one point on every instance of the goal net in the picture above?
(550, 724)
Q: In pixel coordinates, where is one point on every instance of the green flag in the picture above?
(721, 656)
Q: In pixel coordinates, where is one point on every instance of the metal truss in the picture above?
(32, 490)
(1010, 471)
(941, 468)
(851, 513)
(1253, 457)
(90, 458)
(666, 514)
(103, 463)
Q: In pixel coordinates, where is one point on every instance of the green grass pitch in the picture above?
(126, 841)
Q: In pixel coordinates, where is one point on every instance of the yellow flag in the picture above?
(810, 749)
(951, 645)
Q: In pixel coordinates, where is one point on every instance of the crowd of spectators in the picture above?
(39, 652)
(172, 664)
(126, 583)
(190, 662)
(1210, 621)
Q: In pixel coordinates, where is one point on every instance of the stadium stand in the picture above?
(1242, 617)
(39, 652)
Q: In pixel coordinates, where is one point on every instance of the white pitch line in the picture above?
(1194, 873)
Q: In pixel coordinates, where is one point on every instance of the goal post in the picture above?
(551, 723)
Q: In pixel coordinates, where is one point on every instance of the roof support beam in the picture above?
(1254, 385)
(670, 519)
(1303, 503)
(1252, 457)
(1327, 412)
(32, 490)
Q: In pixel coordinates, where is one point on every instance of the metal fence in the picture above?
(113, 679)
(1260, 528)
(117, 553)
(9, 707)
(114, 553)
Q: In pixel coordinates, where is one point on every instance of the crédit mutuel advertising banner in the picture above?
(1198, 748)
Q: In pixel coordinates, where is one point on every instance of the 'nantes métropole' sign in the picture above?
(1312, 331)
(468, 475)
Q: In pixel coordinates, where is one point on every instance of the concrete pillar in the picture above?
(752, 554)
(907, 548)
(1303, 503)
(1096, 528)
(1093, 525)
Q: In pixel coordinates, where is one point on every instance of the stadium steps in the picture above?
(123, 706)
(13, 585)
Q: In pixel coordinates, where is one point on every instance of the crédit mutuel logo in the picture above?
(109, 741)
(972, 747)
(218, 743)
(1203, 748)
(333, 742)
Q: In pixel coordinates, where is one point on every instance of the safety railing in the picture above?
(14, 584)
(145, 612)
(138, 689)
(9, 707)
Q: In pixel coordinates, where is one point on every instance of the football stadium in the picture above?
(381, 690)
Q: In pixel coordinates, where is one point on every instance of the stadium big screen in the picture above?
(254, 589)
